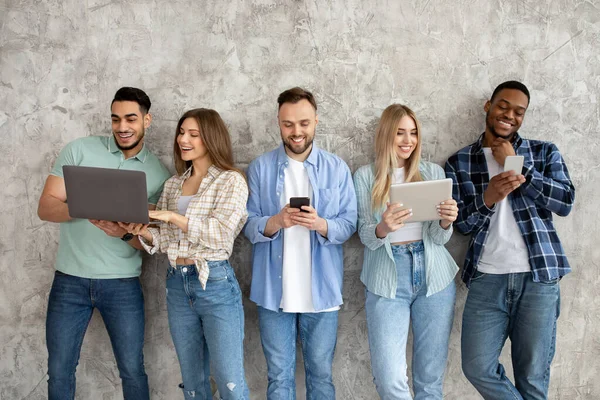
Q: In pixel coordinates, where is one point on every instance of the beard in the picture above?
(294, 147)
(490, 126)
(131, 146)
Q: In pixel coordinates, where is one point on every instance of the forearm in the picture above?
(135, 243)
(52, 209)
(180, 221)
(273, 226)
(380, 233)
(322, 227)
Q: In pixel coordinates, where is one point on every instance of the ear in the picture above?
(487, 106)
(316, 120)
(147, 120)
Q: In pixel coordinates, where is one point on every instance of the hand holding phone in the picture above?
(298, 202)
(514, 163)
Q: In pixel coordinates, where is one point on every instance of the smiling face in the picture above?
(297, 123)
(406, 139)
(129, 126)
(190, 143)
(505, 113)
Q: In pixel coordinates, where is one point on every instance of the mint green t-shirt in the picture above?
(84, 250)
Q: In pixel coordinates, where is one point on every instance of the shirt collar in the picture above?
(142, 155)
(311, 159)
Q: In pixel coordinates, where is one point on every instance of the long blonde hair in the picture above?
(385, 154)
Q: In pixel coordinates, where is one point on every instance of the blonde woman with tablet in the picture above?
(407, 271)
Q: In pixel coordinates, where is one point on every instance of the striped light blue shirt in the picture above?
(379, 268)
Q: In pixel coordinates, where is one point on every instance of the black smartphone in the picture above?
(298, 202)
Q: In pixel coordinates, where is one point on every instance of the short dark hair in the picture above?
(511, 85)
(295, 95)
(133, 94)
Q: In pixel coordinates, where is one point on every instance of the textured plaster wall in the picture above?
(61, 62)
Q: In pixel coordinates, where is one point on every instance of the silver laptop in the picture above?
(107, 194)
(422, 197)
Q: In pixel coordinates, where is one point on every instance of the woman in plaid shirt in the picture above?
(202, 209)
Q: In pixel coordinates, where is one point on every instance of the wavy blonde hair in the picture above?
(385, 153)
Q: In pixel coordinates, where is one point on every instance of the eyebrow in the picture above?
(302, 120)
(126, 115)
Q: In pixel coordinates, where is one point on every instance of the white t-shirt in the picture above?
(504, 251)
(297, 259)
(411, 231)
(182, 206)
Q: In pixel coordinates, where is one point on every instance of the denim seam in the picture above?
(240, 378)
(72, 393)
(304, 356)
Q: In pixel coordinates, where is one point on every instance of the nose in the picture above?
(123, 125)
(510, 114)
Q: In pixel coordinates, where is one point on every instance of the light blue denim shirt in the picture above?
(335, 201)
(379, 269)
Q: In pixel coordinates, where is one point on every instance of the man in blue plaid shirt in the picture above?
(515, 259)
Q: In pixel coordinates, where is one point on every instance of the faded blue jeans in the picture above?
(207, 327)
(388, 321)
(513, 306)
(70, 306)
(318, 337)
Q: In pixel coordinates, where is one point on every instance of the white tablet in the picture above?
(422, 197)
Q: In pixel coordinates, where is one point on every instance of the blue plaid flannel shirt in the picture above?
(547, 189)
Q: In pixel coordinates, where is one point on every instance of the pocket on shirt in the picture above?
(329, 203)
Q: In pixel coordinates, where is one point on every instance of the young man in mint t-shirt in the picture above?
(98, 264)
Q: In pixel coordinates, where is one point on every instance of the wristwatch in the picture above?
(127, 237)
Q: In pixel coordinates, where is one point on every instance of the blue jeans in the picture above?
(510, 305)
(70, 305)
(318, 337)
(207, 322)
(388, 322)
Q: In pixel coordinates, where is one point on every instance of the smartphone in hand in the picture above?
(298, 202)
(514, 163)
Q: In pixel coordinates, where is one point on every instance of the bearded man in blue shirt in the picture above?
(515, 259)
(297, 272)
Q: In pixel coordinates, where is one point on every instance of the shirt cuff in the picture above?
(262, 224)
(482, 207)
(153, 247)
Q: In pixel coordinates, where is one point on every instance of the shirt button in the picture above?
(279, 276)
(279, 256)
(277, 193)
(184, 269)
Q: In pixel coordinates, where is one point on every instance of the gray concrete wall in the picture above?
(62, 61)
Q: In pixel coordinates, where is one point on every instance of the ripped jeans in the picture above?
(204, 322)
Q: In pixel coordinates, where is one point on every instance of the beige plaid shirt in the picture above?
(216, 215)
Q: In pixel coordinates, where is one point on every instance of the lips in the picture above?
(505, 124)
(125, 135)
(405, 149)
(186, 148)
(297, 140)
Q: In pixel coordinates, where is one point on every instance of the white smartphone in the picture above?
(514, 163)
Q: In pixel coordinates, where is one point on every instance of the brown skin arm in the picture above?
(52, 206)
